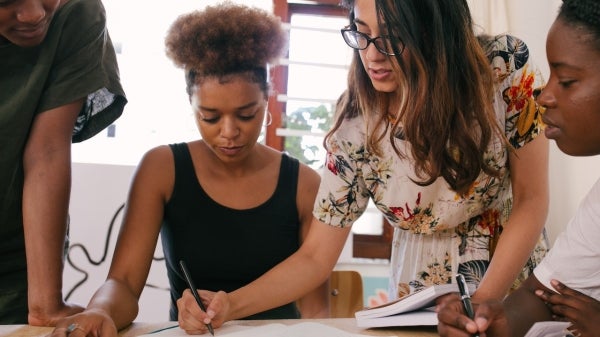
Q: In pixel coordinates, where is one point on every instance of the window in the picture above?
(317, 67)
(307, 87)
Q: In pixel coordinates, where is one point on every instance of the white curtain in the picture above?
(491, 16)
(528, 20)
(514, 16)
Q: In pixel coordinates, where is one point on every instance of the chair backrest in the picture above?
(346, 290)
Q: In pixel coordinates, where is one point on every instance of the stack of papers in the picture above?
(411, 310)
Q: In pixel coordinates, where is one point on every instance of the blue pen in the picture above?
(465, 297)
(188, 279)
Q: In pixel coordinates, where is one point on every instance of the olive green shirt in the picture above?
(75, 60)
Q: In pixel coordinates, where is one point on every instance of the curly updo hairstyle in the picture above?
(226, 39)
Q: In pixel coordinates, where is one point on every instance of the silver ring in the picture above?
(72, 327)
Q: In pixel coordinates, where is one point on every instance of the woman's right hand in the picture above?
(489, 318)
(90, 322)
(193, 320)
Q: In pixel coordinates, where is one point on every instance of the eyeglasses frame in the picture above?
(369, 41)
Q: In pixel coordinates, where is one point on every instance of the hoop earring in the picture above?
(269, 118)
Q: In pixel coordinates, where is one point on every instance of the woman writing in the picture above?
(215, 200)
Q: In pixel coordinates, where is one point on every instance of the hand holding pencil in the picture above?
(190, 282)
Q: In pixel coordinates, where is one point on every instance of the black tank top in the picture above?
(226, 248)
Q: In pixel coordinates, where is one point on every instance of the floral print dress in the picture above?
(437, 232)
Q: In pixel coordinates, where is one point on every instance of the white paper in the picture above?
(269, 330)
(6, 329)
(548, 329)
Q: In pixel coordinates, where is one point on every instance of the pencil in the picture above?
(190, 283)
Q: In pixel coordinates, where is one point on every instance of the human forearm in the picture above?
(516, 243)
(529, 179)
(523, 308)
(46, 190)
(45, 203)
(117, 301)
(300, 273)
(316, 303)
(283, 284)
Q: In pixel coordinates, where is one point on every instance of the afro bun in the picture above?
(224, 39)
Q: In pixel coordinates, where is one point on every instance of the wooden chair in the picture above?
(346, 290)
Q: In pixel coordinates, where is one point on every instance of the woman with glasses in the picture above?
(445, 146)
(440, 129)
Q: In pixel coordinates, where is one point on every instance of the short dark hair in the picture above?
(582, 13)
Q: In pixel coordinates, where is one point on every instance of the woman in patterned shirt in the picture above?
(441, 134)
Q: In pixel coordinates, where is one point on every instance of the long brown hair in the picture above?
(445, 92)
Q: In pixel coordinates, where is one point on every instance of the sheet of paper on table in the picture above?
(269, 330)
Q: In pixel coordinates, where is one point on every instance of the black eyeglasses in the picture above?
(360, 41)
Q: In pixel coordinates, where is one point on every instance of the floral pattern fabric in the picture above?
(437, 231)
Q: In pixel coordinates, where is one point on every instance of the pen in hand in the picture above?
(190, 283)
(465, 297)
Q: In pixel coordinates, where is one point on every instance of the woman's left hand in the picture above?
(570, 305)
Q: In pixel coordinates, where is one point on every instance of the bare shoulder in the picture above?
(308, 183)
(157, 169)
(308, 175)
(308, 187)
(160, 156)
